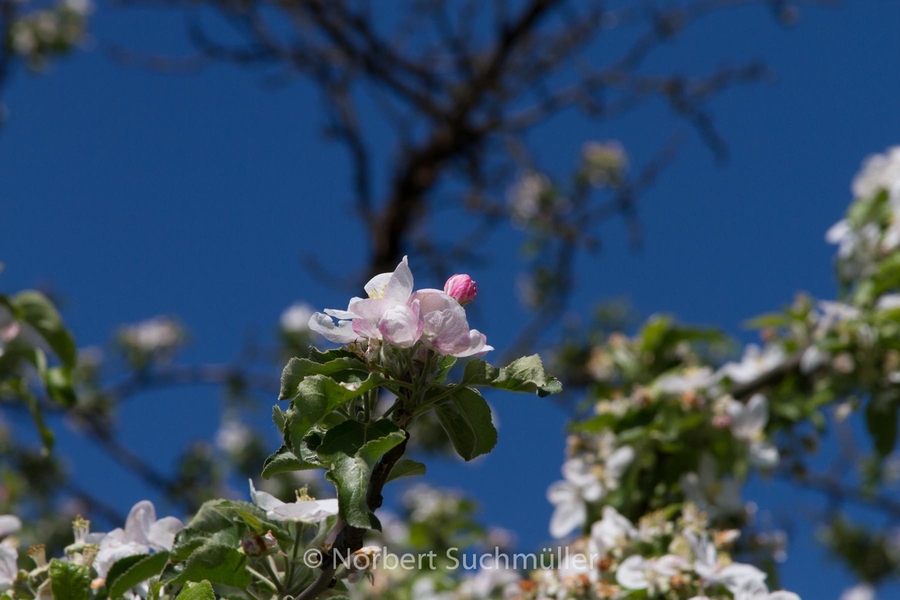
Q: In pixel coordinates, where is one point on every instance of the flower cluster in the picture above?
(39, 34)
(95, 553)
(660, 556)
(395, 315)
(155, 339)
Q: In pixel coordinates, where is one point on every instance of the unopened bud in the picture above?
(256, 545)
(462, 288)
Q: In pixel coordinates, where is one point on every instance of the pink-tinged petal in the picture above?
(400, 325)
(477, 345)
(433, 300)
(366, 329)
(370, 309)
(342, 333)
(447, 331)
(400, 285)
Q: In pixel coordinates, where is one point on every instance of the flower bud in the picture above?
(462, 288)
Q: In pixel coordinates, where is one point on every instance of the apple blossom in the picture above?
(303, 510)
(396, 315)
(748, 422)
(142, 533)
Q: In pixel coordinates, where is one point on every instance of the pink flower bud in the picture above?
(462, 288)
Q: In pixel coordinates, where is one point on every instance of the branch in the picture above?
(350, 539)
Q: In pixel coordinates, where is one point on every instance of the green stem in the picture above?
(264, 580)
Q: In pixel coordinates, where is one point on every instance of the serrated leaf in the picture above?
(522, 375)
(352, 449)
(319, 395)
(197, 591)
(140, 571)
(881, 420)
(69, 581)
(278, 417)
(281, 461)
(217, 563)
(35, 309)
(467, 420)
(406, 468)
(341, 369)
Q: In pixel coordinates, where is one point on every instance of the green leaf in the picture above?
(281, 461)
(35, 309)
(467, 420)
(59, 386)
(317, 396)
(69, 581)
(352, 449)
(406, 468)
(140, 571)
(444, 368)
(278, 417)
(881, 419)
(217, 563)
(344, 369)
(197, 591)
(522, 375)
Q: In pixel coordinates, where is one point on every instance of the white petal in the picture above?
(342, 333)
(619, 460)
(757, 413)
(310, 511)
(140, 518)
(400, 285)
(562, 492)
(631, 574)
(9, 524)
(162, 533)
(764, 455)
(264, 500)
(738, 576)
(567, 517)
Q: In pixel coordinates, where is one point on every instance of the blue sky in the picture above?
(136, 194)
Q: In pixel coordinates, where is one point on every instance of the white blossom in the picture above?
(156, 335)
(612, 532)
(233, 436)
(862, 591)
(652, 574)
(142, 533)
(295, 318)
(754, 362)
(304, 510)
(585, 482)
(736, 577)
(691, 379)
(748, 422)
